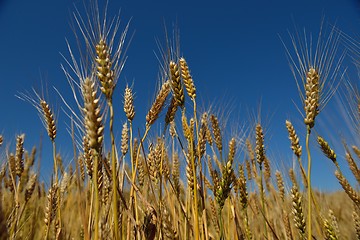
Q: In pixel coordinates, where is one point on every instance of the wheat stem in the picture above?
(96, 191)
(114, 177)
(309, 180)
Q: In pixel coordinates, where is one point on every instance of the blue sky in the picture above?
(233, 49)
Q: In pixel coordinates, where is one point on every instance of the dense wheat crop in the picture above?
(181, 174)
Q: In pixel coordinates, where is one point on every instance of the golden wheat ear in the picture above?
(46, 113)
(297, 210)
(260, 147)
(176, 84)
(129, 108)
(49, 120)
(158, 104)
(188, 81)
(92, 117)
(294, 139)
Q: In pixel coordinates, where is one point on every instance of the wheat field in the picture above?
(182, 174)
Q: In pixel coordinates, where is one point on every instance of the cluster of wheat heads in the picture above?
(189, 182)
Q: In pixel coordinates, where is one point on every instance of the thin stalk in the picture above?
(309, 180)
(199, 160)
(263, 199)
(17, 206)
(195, 203)
(96, 190)
(134, 168)
(91, 208)
(222, 235)
(312, 195)
(186, 234)
(57, 182)
(114, 178)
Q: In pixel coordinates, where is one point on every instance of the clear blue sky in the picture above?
(233, 49)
